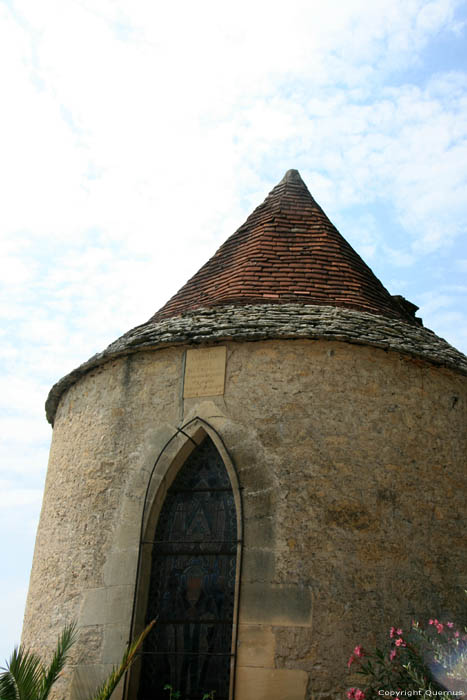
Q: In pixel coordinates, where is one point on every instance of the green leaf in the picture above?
(108, 686)
(22, 678)
(50, 675)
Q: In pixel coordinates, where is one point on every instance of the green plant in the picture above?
(27, 678)
(421, 660)
(108, 686)
(444, 646)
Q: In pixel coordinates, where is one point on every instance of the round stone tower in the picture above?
(272, 465)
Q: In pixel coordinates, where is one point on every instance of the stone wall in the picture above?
(351, 462)
(267, 322)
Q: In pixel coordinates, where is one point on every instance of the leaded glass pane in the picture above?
(192, 585)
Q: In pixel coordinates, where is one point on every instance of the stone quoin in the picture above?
(273, 466)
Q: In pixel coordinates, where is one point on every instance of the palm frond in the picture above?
(22, 677)
(106, 689)
(50, 674)
(8, 689)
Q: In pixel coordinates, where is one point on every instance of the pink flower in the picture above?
(356, 694)
(398, 631)
(350, 661)
(439, 627)
(358, 651)
(392, 654)
(392, 632)
(400, 642)
(450, 624)
(431, 622)
(456, 634)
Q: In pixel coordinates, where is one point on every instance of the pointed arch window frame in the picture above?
(167, 466)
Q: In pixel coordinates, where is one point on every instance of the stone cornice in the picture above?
(271, 321)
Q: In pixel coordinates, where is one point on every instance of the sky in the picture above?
(137, 135)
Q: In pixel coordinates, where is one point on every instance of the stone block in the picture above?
(127, 536)
(256, 646)
(276, 604)
(115, 642)
(93, 608)
(270, 684)
(87, 678)
(120, 567)
(259, 532)
(108, 605)
(120, 603)
(259, 503)
(258, 564)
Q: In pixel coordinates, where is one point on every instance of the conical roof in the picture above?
(287, 273)
(286, 251)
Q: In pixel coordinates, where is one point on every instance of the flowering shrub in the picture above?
(433, 658)
(445, 649)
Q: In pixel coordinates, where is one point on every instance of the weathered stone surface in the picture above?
(351, 462)
(256, 645)
(264, 684)
(263, 322)
(269, 603)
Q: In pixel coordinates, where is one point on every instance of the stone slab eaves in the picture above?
(267, 322)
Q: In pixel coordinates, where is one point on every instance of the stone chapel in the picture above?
(272, 466)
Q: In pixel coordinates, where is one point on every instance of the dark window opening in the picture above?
(192, 583)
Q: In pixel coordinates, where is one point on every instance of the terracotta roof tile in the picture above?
(287, 250)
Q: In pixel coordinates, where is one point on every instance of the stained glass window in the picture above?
(192, 583)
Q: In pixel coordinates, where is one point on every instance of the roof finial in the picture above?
(291, 175)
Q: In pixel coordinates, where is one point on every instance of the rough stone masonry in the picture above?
(342, 427)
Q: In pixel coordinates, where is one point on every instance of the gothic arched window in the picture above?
(192, 583)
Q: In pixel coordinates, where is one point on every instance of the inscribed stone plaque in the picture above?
(204, 372)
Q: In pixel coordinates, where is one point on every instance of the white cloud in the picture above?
(12, 599)
(12, 498)
(136, 137)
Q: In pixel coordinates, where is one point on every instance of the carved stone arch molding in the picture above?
(191, 584)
